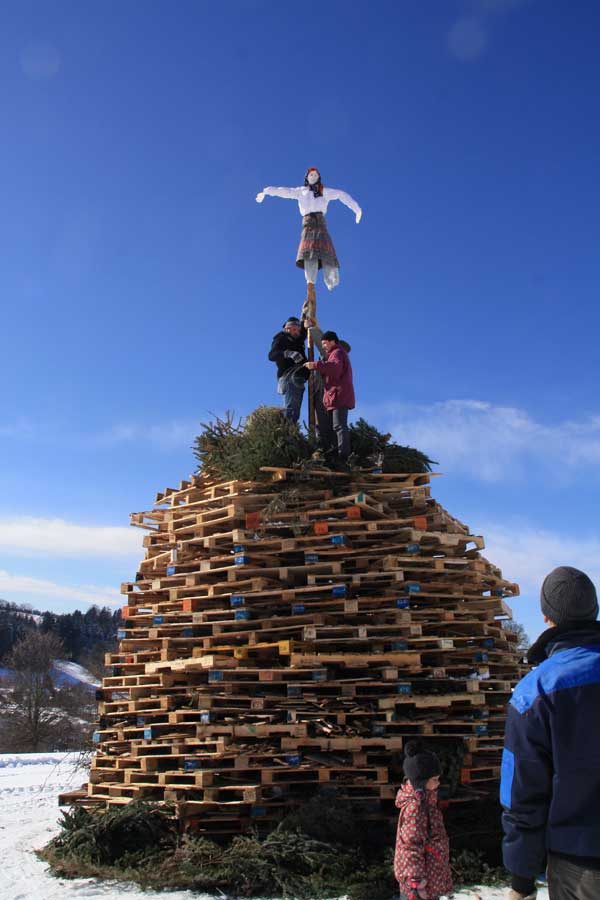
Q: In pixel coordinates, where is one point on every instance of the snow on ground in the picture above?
(64, 673)
(72, 673)
(29, 786)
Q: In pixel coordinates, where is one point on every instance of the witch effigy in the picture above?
(316, 250)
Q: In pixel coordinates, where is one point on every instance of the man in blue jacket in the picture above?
(550, 785)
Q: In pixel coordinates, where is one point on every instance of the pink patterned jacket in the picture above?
(422, 849)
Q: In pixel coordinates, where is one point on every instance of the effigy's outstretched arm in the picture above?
(347, 200)
(287, 193)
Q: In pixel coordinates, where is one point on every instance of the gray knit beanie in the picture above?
(568, 596)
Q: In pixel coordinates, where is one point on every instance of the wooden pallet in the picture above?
(292, 632)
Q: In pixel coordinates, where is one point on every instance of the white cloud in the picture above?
(40, 61)
(39, 587)
(526, 554)
(468, 36)
(30, 536)
(492, 443)
(166, 436)
(173, 435)
(467, 39)
(19, 429)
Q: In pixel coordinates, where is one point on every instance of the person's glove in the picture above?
(515, 895)
(294, 355)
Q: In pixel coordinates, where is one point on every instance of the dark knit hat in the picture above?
(420, 764)
(330, 336)
(567, 596)
(292, 320)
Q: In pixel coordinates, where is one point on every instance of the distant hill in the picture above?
(64, 673)
(85, 636)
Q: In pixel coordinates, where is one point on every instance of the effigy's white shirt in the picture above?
(307, 201)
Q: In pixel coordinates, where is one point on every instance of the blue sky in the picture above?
(141, 284)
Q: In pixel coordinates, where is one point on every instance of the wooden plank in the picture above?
(266, 651)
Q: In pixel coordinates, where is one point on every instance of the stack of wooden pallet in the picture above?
(288, 634)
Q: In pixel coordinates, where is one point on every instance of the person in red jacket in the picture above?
(338, 396)
(421, 860)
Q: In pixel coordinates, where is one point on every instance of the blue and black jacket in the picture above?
(550, 782)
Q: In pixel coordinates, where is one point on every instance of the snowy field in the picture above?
(29, 785)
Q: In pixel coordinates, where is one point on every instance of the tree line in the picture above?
(84, 636)
(36, 712)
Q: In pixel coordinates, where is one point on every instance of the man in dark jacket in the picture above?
(338, 396)
(550, 784)
(287, 351)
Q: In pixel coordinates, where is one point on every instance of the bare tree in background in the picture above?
(93, 660)
(35, 715)
(522, 643)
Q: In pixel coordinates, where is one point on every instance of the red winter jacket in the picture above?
(422, 850)
(337, 375)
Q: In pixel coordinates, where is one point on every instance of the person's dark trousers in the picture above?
(569, 881)
(339, 424)
(292, 394)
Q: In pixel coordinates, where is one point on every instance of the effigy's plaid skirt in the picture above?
(315, 242)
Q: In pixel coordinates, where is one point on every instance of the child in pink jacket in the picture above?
(421, 860)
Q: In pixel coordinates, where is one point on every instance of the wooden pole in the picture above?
(311, 311)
